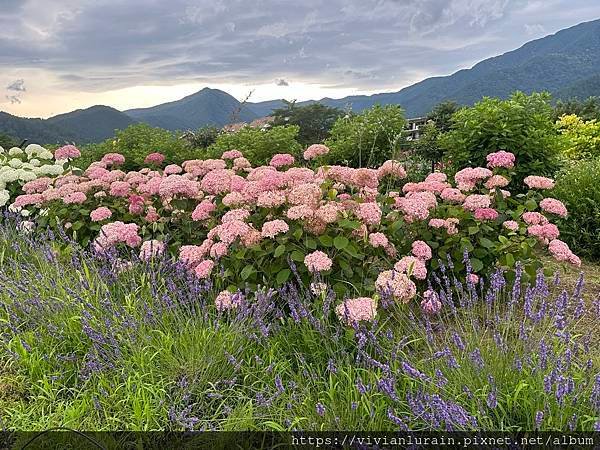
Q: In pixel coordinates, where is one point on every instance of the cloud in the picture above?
(281, 82)
(100, 45)
(17, 85)
(13, 99)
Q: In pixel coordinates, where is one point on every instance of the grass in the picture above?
(89, 347)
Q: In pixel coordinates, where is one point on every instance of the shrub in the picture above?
(367, 139)
(582, 139)
(522, 124)
(315, 120)
(266, 226)
(18, 167)
(137, 141)
(577, 187)
(258, 145)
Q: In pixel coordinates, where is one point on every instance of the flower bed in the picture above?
(347, 227)
(34, 165)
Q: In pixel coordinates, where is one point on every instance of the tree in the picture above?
(7, 141)
(428, 146)
(258, 145)
(588, 109)
(202, 138)
(367, 139)
(315, 120)
(442, 113)
(523, 125)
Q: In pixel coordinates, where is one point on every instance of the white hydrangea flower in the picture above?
(8, 176)
(34, 149)
(45, 155)
(15, 209)
(26, 175)
(4, 197)
(15, 151)
(15, 163)
(34, 162)
(1, 150)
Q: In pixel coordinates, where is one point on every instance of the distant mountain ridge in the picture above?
(566, 64)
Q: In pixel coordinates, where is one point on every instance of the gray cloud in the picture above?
(13, 99)
(17, 85)
(97, 45)
(281, 82)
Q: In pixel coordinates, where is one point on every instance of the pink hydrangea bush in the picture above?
(339, 226)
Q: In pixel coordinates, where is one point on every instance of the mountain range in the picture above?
(566, 64)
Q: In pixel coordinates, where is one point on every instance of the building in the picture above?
(413, 127)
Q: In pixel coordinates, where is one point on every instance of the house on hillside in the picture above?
(413, 127)
(262, 123)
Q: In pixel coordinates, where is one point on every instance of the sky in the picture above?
(61, 55)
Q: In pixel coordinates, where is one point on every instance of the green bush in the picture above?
(578, 187)
(258, 145)
(522, 125)
(315, 120)
(136, 142)
(367, 139)
(581, 138)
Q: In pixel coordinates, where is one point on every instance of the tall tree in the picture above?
(315, 120)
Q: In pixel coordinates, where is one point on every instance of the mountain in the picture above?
(93, 124)
(35, 130)
(566, 64)
(205, 107)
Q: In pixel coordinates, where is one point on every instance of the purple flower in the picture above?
(539, 417)
(320, 409)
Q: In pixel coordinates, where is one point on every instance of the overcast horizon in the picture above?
(73, 54)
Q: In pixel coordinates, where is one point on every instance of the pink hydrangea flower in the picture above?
(485, 214)
(391, 168)
(561, 252)
(120, 189)
(554, 206)
(100, 214)
(369, 213)
(412, 266)
(218, 250)
(203, 210)
(453, 195)
(396, 285)
(151, 215)
(155, 158)
(545, 233)
(534, 218)
(172, 169)
(378, 240)
(151, 249)
(473, 278)
(431, 304)
(37, 186)
(204, 268)
(421, 250)
(226, 301)
(235, 214)
(273, 228)
(318, 262)
(535, 182)
(511, 225)
(74, 198)
(282, 160)
(496, 181)
(113, 159)
(315, 150)
(355, 310)
(231, 154)
(136, 204)
(67, 152)
(217, 181)
(117, 232)
(501, 159)
(476, 201)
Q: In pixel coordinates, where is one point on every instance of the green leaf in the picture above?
(485, 242)
(326, 240)
(283, 276)
(311, 243)
(510, 260)
(477, 264)
(246, 272)
(473, 230)
(341, 242)
(280, 250)
(297, 256)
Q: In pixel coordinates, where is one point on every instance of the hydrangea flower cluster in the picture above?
(31, 167)
(331, 219)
